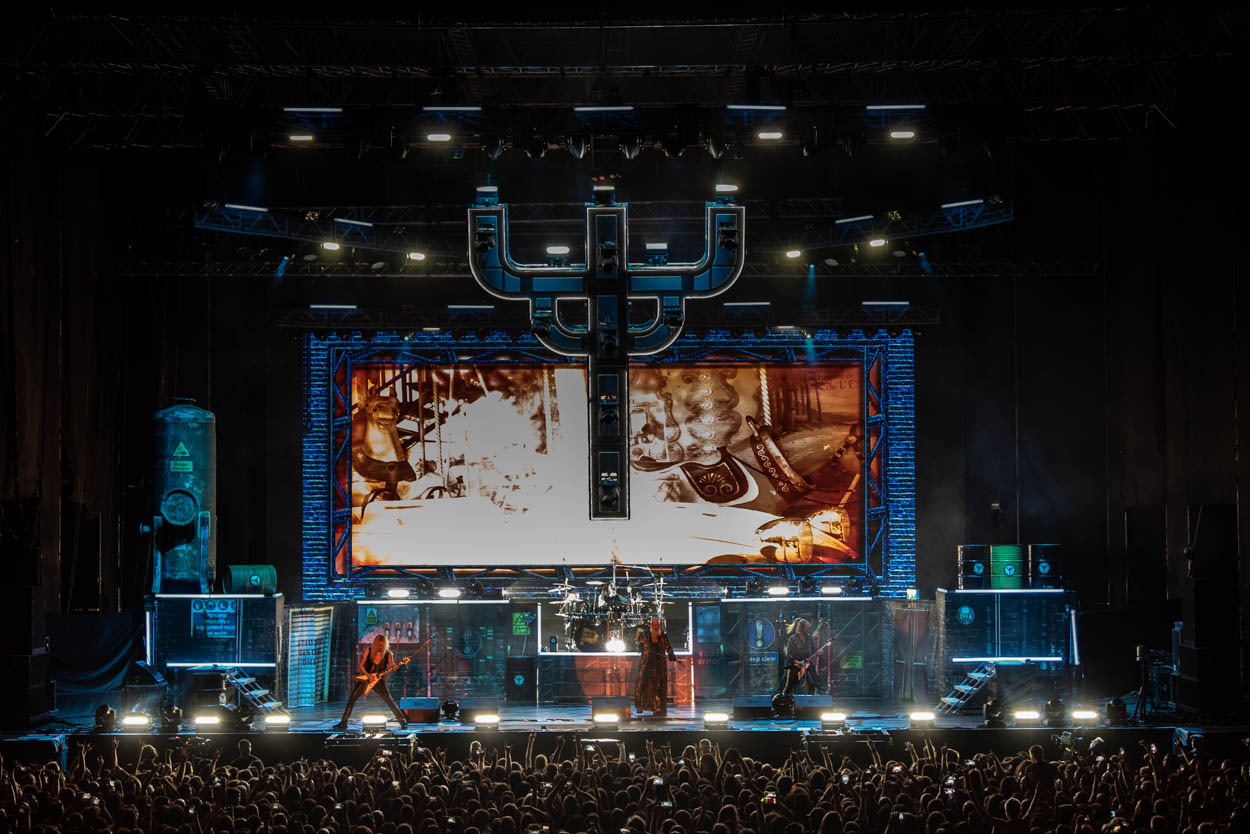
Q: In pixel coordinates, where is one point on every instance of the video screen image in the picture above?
(487, 465)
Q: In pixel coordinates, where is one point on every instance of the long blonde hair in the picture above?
(385, 641)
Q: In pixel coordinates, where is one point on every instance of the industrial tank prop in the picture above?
(184, 489)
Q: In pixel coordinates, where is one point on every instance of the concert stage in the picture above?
(311, 735)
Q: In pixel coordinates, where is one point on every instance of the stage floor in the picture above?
(311, 734)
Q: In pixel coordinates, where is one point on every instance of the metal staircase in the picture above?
(964, 692)
(253, 694)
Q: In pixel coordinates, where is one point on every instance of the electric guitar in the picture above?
(805, 664)
(374, 678)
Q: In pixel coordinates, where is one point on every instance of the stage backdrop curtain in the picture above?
(91, 652)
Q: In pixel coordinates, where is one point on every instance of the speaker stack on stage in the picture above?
(25, 697)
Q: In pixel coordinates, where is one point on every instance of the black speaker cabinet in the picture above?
(25, 696)
(520, 685)
(420, 710)
(974, 566)
(471, 706)
(611, 703)
(22, 625)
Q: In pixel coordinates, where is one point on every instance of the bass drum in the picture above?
(587, 635)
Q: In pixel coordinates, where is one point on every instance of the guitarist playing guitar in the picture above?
(375, 664)
(800, 652)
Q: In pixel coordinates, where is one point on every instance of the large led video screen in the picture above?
(486, 464)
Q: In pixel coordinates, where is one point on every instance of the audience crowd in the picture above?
(596, 786)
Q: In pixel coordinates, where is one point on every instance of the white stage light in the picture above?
(449, 593)
(769, 135)
(726, 188)
(206, 720)
(607, 718)
(1086, 715)
(301, 137)
(1027, 715)
(275, 721)
(330, 246)
(373, 719)
(876, 242)
(486, 719)
(793, 253)
(398, 593)
(923, 718)
(831, 590)
(779, 591)
(438, 137)
(557, 250)
(616, 645)
(135, 721)
(902, 134)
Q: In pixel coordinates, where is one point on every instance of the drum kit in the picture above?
(604, 616)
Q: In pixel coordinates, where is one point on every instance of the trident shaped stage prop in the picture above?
(610, 285)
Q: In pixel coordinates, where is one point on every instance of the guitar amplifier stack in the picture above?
(1008, 567)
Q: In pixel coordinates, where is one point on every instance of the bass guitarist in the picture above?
(374, 663)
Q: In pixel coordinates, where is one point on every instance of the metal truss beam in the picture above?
(807, 223)
(112, 81)
(306, 270)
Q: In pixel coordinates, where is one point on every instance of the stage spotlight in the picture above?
(373, 719)
(877, 242)
(1088, 716)
(486, 720)
(438, 137)
(577, 145)
(475, 589)
(755, 586)
(398, 593)
(424, 586)
(832, 720)
(301, 137)
(631, 146)
(136, 721)
(716, 721)
(923, 718)
(277, 722)
(555, 249)
(1056, 713)
(726, 188)
(1026, 717)
(606, 719)
(769, 135)
(992, 713)
(779, 590)
(902, 134)
(831, 590)
(616, 645)
(105, 719)
(206, 721)
(450, 711)
(330, 246)
(1117, 711)
(449, 593)
(794, 253)
(416, 256)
